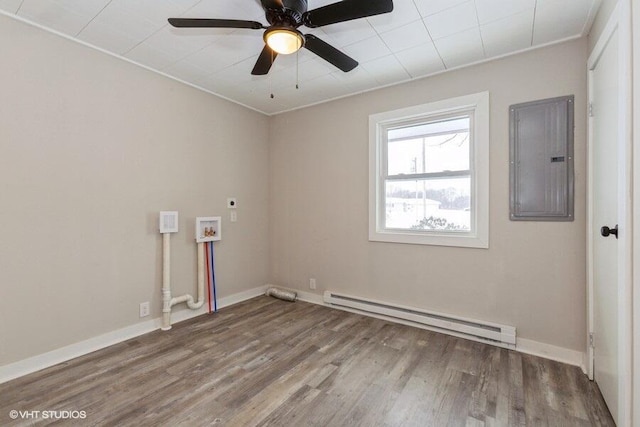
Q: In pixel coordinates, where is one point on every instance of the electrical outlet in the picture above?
(144, 309)
(312, 283)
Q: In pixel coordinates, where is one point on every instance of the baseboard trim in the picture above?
(46, 360)
(310, 297)
(60, 355)
(548, 351)
(523, 345)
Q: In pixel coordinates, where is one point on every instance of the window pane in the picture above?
(429, 148)
(429, 204)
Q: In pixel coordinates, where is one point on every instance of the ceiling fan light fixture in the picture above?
(284, 40)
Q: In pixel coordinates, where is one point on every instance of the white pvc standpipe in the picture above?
(167, 301)
(166, 281)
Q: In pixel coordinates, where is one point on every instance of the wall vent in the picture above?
(476, 330)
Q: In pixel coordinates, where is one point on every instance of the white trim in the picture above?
(478, 238)
(635, 415)
(309, 297)
(589, 236)
(625, 184)
(45, 360)
(619, 20)
(241, 296)
(473, 329)
(591, 17)
(523, 345)
(436, 73)
(548, 351)
(607, 32)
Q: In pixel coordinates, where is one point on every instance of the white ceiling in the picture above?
(419, 38)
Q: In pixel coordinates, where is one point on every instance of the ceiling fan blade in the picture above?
(346, 10)
(264, 62)
(214, 23)
(329, 53)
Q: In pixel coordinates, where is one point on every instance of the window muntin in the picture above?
(429, 173)
(428, 180)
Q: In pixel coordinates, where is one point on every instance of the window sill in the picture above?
(432, 239)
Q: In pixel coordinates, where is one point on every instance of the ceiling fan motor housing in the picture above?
(289, 16)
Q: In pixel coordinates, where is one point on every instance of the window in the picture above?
(429, 173)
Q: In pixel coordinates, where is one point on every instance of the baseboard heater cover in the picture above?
(491, 333)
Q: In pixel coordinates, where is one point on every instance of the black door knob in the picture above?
(606, 231)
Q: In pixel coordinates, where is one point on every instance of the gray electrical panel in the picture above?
(541, 160)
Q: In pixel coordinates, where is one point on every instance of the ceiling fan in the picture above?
(282, 35)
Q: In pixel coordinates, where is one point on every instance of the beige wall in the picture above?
(91, 148)
(602, 17)
(533, 275)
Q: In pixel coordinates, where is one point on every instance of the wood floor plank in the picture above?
(517, 415)
(266, 362)
(287, 412)
(358, 377)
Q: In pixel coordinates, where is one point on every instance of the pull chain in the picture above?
(270, 79)
(297, 73)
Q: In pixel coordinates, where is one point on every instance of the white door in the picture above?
(604, 152)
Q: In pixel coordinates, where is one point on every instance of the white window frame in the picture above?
(478, 105)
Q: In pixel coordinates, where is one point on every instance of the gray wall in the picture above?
(91, 149)
(533, 275)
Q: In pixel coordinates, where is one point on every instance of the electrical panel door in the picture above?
(541, 160)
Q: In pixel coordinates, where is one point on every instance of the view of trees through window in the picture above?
(428, 184)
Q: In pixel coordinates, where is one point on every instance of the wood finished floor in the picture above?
(266, 362)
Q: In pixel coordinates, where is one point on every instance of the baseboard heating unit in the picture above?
(490, 333)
